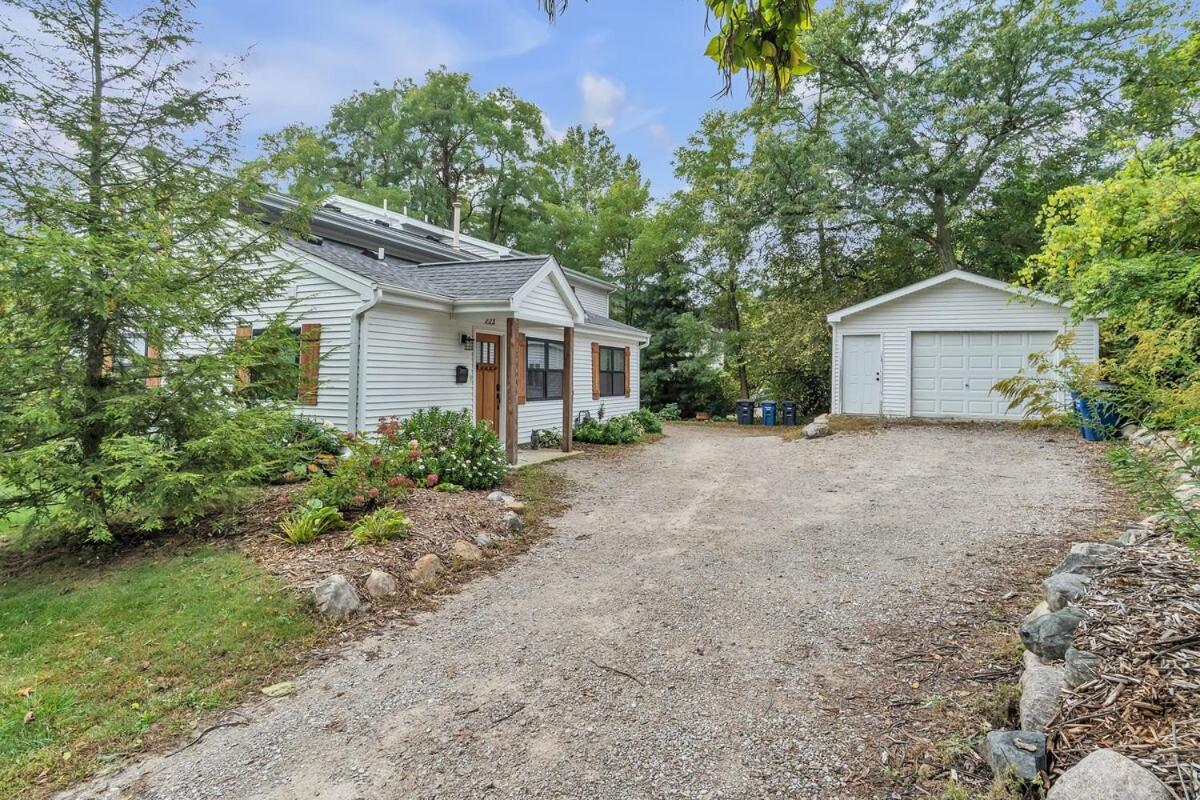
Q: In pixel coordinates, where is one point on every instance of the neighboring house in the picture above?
(936, 348)
(396, 315)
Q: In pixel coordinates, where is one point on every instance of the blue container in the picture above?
(1100, 418)
(768, 411)
(745, 412)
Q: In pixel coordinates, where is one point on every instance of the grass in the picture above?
(118, 658)
(543, 491)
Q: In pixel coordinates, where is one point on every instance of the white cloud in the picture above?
(557, 134)
(603, 99)
(660, 134)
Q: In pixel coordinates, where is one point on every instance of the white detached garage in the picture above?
(936, 348)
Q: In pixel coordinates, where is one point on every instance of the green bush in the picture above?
(309, 439)
(615, 430)
(309, 522)
(382, 525)
(371, 475)
(445, 446)
(548, 437)
(670, 412)
(650, 422)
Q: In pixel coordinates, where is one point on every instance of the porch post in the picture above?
(512, 373)
(568, 386)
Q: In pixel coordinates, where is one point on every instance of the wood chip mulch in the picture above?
(1144, 623)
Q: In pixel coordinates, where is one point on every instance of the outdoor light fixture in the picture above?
(467, 341)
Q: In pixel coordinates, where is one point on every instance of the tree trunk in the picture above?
(943, 236)
(735, 317)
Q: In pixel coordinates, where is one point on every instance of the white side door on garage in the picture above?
(953, 372)
(860, 374)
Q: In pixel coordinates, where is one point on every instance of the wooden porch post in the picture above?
(512, 374)
(568, 387)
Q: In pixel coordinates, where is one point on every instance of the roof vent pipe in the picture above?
(457, 221)
(380, 256)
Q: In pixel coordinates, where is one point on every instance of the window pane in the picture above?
(535, 355)
(618, 359)
(535, 384)
(605, 358)
(554, 384)
(556, 356)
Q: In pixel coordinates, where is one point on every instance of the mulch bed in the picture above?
(1144, 623)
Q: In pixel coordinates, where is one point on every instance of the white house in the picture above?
(936, 348)
(395, 314)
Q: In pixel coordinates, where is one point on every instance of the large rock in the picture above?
(1080, 666)
(1065, 589)
(1080, 564)
(485, 539)
(501, 497)
(466, 552)
(1040, 610)
(1050, 635)
(381, 584)
(336, 597)
(1041, 686)
(513, 521)
(1108, 775)
(1095, 549)
(426, 570)
(1017, 754)
(815, 430)
(822, 418)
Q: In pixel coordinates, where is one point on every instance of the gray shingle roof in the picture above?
(605, 322)
(454, 280)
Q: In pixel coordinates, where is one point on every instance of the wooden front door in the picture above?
(487, 379)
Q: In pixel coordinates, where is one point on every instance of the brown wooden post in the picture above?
(568, 387)
(512, 375)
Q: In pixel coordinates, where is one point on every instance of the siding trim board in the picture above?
(949, 305)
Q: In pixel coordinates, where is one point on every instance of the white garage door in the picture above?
(953, 373)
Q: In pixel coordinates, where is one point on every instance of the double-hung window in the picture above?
(612, 371)
(543, 370)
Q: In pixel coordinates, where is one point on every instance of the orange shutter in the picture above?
(522, 360)
(241, 375)
(310, 363)
(627, 372)
(595, 370)
(154, 367)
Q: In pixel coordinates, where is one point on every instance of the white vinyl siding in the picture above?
(593, 301)
(410, 357)
(544, 304)
(952, 306)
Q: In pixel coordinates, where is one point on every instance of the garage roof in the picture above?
(953, 275)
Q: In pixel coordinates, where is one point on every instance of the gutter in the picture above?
(356, 366)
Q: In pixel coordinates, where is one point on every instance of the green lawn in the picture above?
(115, 659)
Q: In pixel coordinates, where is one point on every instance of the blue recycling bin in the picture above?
(1100, 417)
(768, 411)
(745, 412)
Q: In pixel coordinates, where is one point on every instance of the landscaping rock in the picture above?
(1095, 549)
(1041, 687)
(336, 597)
(1021, 754)
(1080, 667)
(426, 569)
(500, 497)
(1050, 635)
(514, 522)
(1065, 589)
(485, 539)
(279, 689)
(1030, 660)
(1040, 610)
(815, 430)
(514, 505)
(381, 584)
(1132, 535)
(1080, 564)
(823, 419)
(1108, 775)
(465, 551)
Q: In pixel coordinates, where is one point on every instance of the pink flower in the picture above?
(373, 492)
(431, 480)
(376, 461)
(359, 500)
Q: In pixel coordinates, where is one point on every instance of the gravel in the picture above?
(690, 630)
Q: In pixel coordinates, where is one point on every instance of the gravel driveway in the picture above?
(689, 631)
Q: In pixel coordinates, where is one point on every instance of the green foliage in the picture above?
(308, 522)
(670, 412)
(448, 447)
(448, 488)
(120, 192)
(381, 525)
(371, 475)
(549, 437)
(648, 420)
(614, 430)
(1153, 477)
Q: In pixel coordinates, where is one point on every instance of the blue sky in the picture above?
(636, 67)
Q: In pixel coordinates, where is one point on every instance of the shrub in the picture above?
(309, 522)
(670, 412)
(448, 488)
(616, 430)
(372, 475)
(309, 439)
(446, 445)
(382, 525)
(548, 437)
(650, 422)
